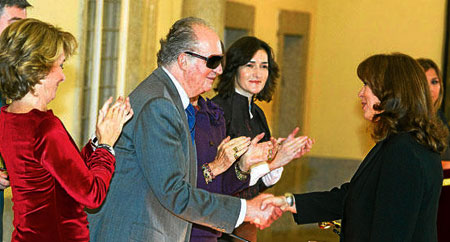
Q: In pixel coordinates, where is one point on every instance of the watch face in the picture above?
(289, 199)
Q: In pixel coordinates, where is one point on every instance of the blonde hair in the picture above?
(28, 50)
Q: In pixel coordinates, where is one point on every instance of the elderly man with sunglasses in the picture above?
(153, 194)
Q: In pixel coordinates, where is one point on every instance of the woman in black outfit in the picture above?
(249, 74)
(394, 194)
(436, 85)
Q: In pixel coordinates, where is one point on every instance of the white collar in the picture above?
(243, 93)
(183, 95)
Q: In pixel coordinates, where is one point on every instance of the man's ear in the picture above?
(182, 61)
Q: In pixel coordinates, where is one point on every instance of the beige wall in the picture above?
(343, 33)
(66, 15)
(348, 32)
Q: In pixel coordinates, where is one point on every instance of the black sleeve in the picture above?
(446, 154)
(320, 206)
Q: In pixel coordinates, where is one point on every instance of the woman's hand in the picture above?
(256, 153)
(228, 152)
(111, 120)
(279, 202)
(291, 148)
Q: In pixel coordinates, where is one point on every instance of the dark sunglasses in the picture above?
(212, 62)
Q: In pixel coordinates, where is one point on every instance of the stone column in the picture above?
(213, 11)
(142, 47)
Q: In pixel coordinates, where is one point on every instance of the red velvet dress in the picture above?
(51, 181)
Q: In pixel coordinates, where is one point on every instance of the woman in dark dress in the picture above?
(436, 85)
(394, 194)
(249, 75)
(217, 169)
(216, 156)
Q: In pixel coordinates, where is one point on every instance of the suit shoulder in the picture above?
(151, 87)
(404, 147)
(405, 139)
(154, 87)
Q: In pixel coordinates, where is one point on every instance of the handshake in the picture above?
(264, 209)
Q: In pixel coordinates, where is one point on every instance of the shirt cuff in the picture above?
(242, 213)
(272, 177)
(257, 171)
(94, 142)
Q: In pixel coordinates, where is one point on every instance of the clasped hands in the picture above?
(265, 209)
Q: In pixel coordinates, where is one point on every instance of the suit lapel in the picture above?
(172, 91)
(263, 118)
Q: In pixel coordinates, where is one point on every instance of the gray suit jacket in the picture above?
(153, 194)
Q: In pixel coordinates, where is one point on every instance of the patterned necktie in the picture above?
(190, 112)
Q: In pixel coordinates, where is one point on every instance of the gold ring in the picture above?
(236, 156)
(235, 149)
(269, 157)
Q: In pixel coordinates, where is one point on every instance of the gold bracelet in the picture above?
(207, 173)
(240, 174)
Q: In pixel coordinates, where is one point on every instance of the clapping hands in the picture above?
(228, 151)
(111, 120)
(256, 153)
(287, 149)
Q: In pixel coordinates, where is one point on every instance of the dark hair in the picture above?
(239, 54)
(22, 4)
(181, 37)
(428, 64)
(405, 105)
(28, 50)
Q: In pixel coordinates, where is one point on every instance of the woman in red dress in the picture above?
(51, 180)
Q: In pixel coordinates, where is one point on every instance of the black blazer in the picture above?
(235, 108)
(393, 196)
(446, 154)
(238, 123)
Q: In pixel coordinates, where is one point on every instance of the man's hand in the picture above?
(261, 218)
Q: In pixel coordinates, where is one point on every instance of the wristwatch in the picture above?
(108, 148)
(290, 199)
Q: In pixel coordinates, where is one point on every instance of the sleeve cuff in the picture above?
(272, 177)
(94, 142)
(242, 213)
(257, 171)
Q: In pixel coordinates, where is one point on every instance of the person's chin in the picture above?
(207, 89)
